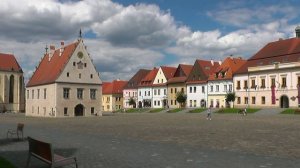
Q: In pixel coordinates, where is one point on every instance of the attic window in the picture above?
(223, 74)
(74, 63)
(91, 76)
(79, 75)
(85, 65)
(207, 68)
(68, 74)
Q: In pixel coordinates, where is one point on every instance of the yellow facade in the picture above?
(173, 89)
(112, 102)
(217, 101)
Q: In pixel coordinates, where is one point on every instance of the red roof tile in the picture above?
(8, 62)
(136, 79)
(186, 69)
(181, 73)
(168, 71)
(228, 68)
(201, 71)
(114, 87)
(149, 78)
(48, 71)
(282, 51)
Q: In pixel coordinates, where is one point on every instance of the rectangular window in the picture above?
(225, 88)
(245, 84)
(148, 93)
(272, 82)
(238, 85)
(171, 90)
(108, 107)
(79, 93)
(253, 100)
(140, 93)
(246, 100)
(191, 89)
(38, 94)
(238, 100)
(165, 91)
(171, 102)
(145, 93)
(32, 94)
(211, 88)
(283, 83)
(263, 83)
(158, 103)
(158, 91)
(27, 94)
(263, 100)
(203, 89)
(157, 80)
(65, 111)
(175, 90)
(230, 88)
(66, 93)
(195, 89)
(175, 102)
(45, 93)
(195, 102)
(217, 88)
(253, 84)
(92, 110)
(191, 101)
(154, 91)
(182, 90)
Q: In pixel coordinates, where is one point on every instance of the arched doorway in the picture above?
(284, 102)
(140, 104)
(78, 111)
(203, 103)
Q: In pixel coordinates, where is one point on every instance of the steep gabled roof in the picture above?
(136, 79)
(181, 73)
(48, 71)
(282, 51)
(148, 79)
(226, 70)
(8, 62)
(168, 71)
(201, 71)
(114, 87)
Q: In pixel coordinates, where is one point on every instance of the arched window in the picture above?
(11, 88)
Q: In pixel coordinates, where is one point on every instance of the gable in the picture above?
(79, 68)
(160, 76)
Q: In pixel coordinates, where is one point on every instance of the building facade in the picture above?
(196, 85)
(271, 77)
(12, 88)
(112, 95)
(65, 84)
(160, 99)
(131, 89)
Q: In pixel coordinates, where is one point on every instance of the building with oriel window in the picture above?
(64, 84)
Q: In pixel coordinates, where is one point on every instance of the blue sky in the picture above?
(123, 36)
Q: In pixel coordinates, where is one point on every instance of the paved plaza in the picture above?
(162, 140)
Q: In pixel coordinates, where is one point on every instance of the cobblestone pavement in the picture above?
(162, 140)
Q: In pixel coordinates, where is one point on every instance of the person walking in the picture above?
(245, 111)
(209, 113)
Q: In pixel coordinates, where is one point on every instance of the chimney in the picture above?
(62, 45)
(212, 62)
(231, 56)
(52, 50)
(220, 62)
(297, 30)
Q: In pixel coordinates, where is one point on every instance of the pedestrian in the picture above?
(245, 111)
(209, 113)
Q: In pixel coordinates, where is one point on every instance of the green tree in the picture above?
(230, 97)
(131, 102)
(181, 98)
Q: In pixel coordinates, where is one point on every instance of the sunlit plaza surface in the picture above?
(161, 140)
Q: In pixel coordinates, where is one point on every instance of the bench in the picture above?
(18, 131)
(44, 152)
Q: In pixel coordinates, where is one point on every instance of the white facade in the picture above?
(196, 95)
(217, 91)
(160, 97)
(144, 97)
(127, 95)
(258, 93)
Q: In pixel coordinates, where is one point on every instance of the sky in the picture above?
(123, 36)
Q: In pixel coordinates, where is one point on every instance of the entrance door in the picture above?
(284, 102)
(78, 111)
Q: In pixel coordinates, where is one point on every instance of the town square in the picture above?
(144, 83)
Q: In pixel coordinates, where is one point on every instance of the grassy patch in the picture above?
(136, 110)
(5, 164)
(198, 110)
(175, 110)
(236, 110)
(291, 111)
(156, 110)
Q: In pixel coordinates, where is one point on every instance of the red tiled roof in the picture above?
(114, 87)
(177, 79)
(228, 68)
(148, 80)
(207, 66)
(48, 71)
(201, 71)
(186, 69)
(168, 71)
(8, 62)
(282, 51)
(181, 73)
(136, 79)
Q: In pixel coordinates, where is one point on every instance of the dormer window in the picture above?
(91, 76)
(85, 65)
(68, 74)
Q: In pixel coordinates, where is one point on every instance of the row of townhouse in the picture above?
(270, 78)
